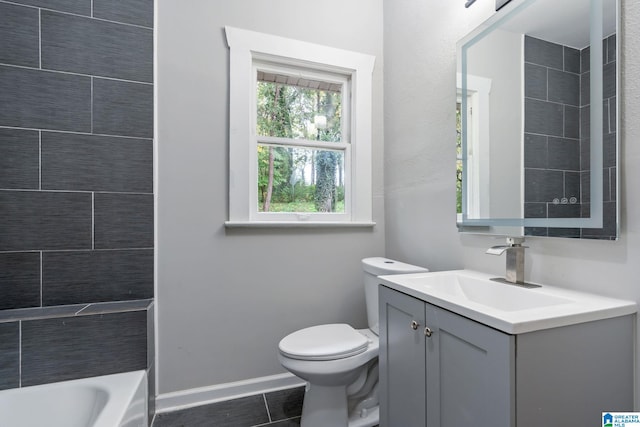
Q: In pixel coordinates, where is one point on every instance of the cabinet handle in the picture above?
(428, 332)
(414, 325)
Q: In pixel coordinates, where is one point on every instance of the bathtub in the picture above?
(118, 400)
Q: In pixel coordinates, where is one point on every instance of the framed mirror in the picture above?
(537, 121)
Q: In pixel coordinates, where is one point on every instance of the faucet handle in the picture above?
(515, 241)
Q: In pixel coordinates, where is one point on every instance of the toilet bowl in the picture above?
(340, 363)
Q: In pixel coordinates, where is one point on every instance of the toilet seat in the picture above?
(324, 342)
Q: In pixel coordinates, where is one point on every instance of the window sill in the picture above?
(299, 224)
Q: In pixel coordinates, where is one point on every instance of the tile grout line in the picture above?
(266, 405)
(71, 73)
(41, 277)
(79, 15)
(93, 220)
(77, 133)
(39, 160)
(20, 353)
(91, 103)
(40, 38)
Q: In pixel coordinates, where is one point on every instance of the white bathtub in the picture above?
(118, 400)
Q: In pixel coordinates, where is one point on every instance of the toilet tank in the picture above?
(379, 266)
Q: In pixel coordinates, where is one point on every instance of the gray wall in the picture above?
(76, 188)
(225, 297)
(420, 153)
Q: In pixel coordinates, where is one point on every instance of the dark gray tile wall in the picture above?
(278, 408)
(76, 188)
(9, 355)
(557, 126)
(82, 346)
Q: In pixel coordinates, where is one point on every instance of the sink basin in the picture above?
(506, 307)
(501, 296)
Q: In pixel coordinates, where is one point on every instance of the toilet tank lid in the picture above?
(379, 266)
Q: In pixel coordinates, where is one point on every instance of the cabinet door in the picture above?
(470, 373)
(402, 360)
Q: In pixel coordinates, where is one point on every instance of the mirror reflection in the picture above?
(532, 158)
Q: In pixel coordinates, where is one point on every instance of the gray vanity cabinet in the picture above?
(456, 373)
(461, 373)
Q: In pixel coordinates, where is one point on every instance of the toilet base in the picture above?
(327, 406)
(371, 419)
(324, 406)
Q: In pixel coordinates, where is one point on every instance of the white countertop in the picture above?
(508, 308)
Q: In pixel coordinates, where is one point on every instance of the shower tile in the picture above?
(612, 114)
(608, 231)
(543, 185)
(585, 122)
(83, 346)
(9, 355)
(564, 87)
(19, 280)
(585, 186)
(122, 108)
(536, 231)
(285, 404)
(80, 7)
(543, 117)
(246, 411)
(535, 210)
(45, 100)
(606, 186)
(535, 81)
(564, 232)
(535, 151)
(542, 52)
(585, 60)
(571, 122)
(564, 154)
(89, 46)
(19, 43)
(611, 48)
(31, 220)
(613, 183)
(19, 159)
(96, 163)
(609, 81)
(137, 12)
(571, 60)
(572, 186)
(564, 211)
(585, 89)
(123, 221)
(96, 276)
(609, 150)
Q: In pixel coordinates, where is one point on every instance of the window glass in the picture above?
(294, 179)
(292, 111)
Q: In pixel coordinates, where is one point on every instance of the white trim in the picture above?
(478, 156)
(168, 402)
(297, 224)
(249, 47)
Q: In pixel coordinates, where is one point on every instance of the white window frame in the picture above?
(478, 161)
(250, 51)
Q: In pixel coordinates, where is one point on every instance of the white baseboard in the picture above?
(168, 402)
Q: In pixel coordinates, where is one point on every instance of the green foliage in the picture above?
(288, 112)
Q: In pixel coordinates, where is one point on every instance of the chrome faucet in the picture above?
(515, 258)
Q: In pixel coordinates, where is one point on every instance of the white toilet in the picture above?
(339, 363)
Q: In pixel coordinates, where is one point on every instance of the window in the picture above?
(472, 155)
(300, 133)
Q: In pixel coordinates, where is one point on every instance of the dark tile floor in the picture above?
(278, 409)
